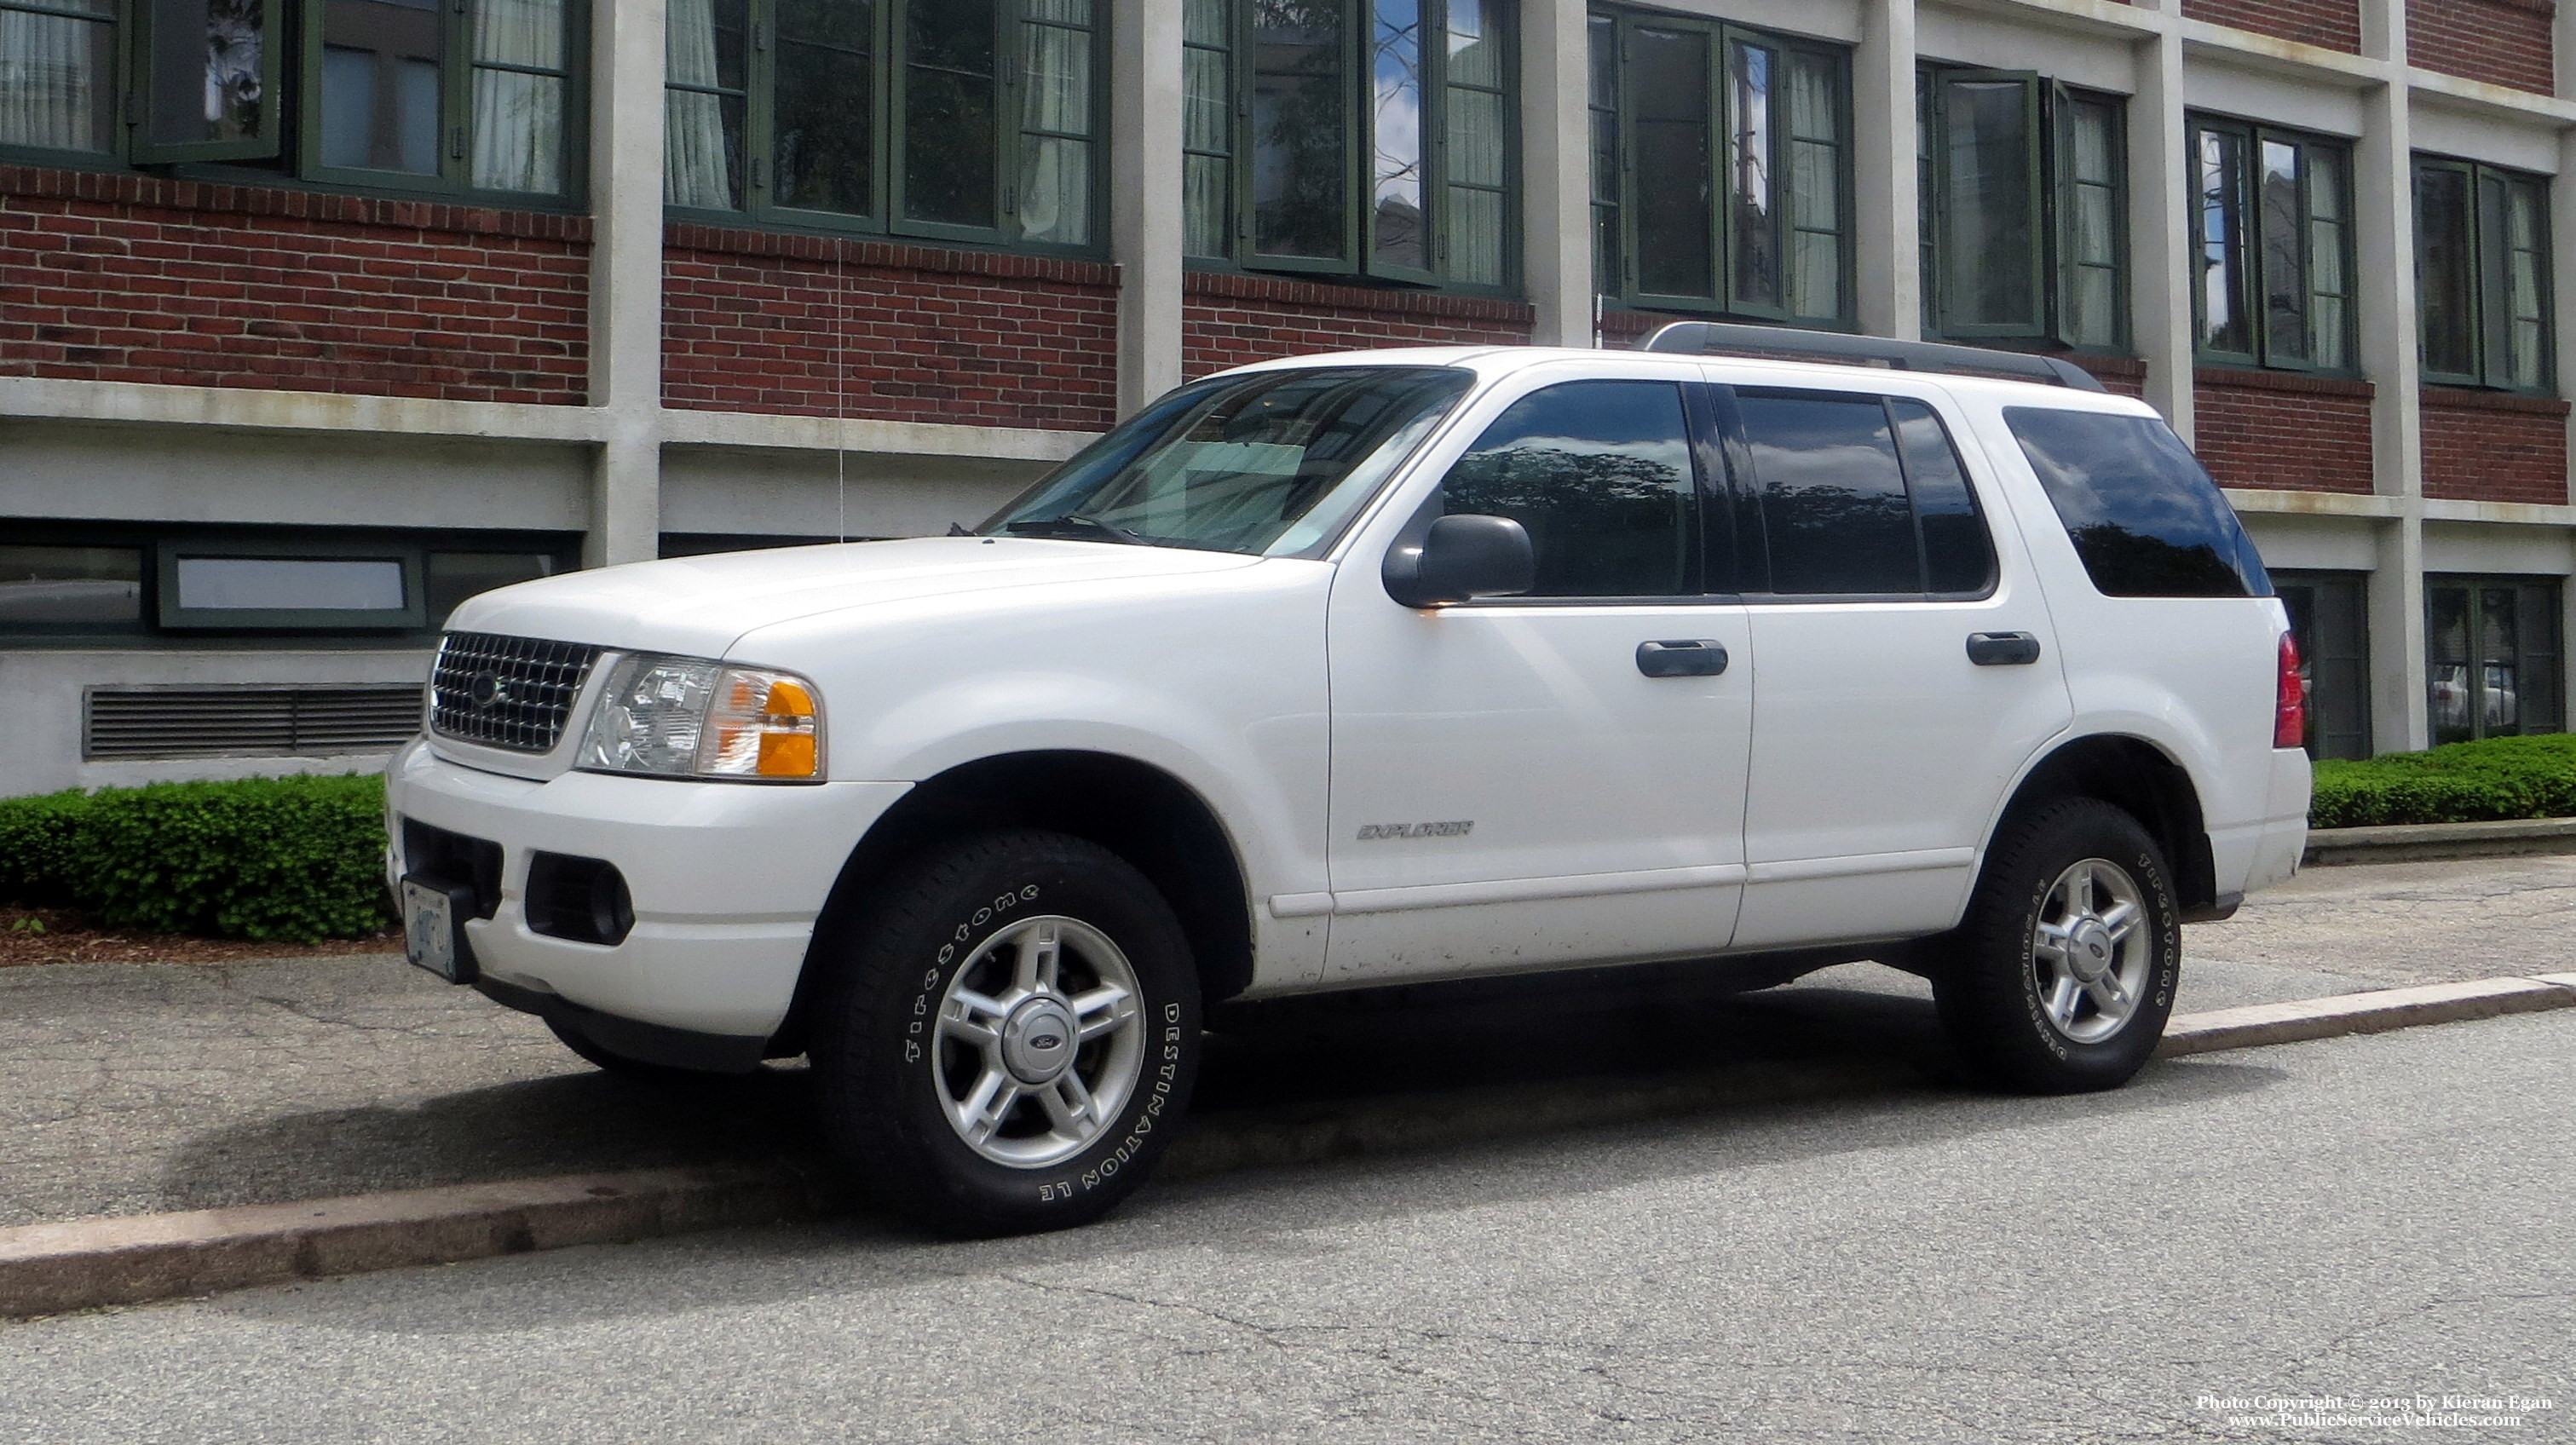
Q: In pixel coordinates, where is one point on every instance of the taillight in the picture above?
(2290, 705)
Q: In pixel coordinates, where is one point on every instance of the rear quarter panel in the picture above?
(2194, 676)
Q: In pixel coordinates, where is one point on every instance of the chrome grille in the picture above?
(506, 692)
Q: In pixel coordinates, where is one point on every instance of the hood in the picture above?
(700, 606)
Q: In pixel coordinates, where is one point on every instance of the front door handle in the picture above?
(2002, 649)
(1690, 657)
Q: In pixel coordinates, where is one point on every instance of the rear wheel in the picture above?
(2063, 974)
(1012, 1036)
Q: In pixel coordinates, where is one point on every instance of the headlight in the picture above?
(685, 717)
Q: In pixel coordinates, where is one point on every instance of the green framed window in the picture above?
(959, 120)
(474, 96)
(1721, 168)
(2330, 617)
(2271, 247)
(2023, 194)
(309, 588)
(2482, 275)
(2492, 656)
(463, 95)
(61, 584)
(1351, 137)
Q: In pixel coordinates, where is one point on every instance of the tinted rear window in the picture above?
(2143, 513)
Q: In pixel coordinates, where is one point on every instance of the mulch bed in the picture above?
(60, 935)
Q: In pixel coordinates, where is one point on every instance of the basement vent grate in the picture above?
(248, 722)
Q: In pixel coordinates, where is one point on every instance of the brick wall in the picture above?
(2281, 431)
(2334, 24)
(2120, 375)
(2502, 42)
(817, 326)
(1229, 320)
(2483, 447)
(140, 278)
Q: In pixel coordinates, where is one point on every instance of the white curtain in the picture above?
(695, 171)
(1207, 222)
(1815, 189)
(1474, 223)
(49, 79)
(1055, 168)
(518, 117)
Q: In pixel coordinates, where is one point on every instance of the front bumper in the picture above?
(726, 881)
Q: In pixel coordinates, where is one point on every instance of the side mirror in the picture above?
(1460, 559)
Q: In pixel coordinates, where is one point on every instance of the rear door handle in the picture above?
(2002, 649)
(1690, 657)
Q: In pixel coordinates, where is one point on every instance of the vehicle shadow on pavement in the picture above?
(1308, 1213)
(569, 1124)
(1388, 1070)
(1312, 1116)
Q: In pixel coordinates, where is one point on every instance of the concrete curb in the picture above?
(2364, 1013)
(2418, 842)
(48, 1268)
(51, 1268)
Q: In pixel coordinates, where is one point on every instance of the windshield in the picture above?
(1270, 464)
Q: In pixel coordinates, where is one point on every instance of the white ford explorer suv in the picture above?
(1370, 669)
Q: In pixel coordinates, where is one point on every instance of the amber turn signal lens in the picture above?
(787, 755)
(764, 725)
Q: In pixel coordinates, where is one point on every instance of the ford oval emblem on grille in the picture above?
(486, 690)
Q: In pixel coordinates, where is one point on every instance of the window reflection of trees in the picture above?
(1297, 127)
(1603, 520)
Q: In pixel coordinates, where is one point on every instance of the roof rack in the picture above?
(1702, 337)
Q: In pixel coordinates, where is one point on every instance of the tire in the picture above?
(964, 1080)
(624, 1067)
(2077, 888)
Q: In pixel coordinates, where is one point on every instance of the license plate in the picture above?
(431, 938)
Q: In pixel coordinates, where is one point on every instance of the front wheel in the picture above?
(2063, 974)
(1012, 1035)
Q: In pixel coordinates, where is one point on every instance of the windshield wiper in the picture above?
(1074, 526)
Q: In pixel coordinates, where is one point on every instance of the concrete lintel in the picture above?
(2490, 102)
(906, 438)
(2316, 504)
(2315, 64)
(2534, 514)
(236, 408)
(2114, 19)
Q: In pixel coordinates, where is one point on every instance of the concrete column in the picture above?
(2562, 227)
(626, 280)
(2400, 715)
(2384, 249)
(1145, 234)
(1887, 221)
(1556, 171)
(2160, 216)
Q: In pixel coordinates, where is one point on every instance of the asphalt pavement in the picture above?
(2347, 1220)
(136, 1088)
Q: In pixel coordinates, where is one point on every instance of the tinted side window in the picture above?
(1958, 556)
(1599, 472)
(2144, 515)
(1833, 493)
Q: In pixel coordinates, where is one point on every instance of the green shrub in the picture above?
(296, 859)
(2532, 777)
